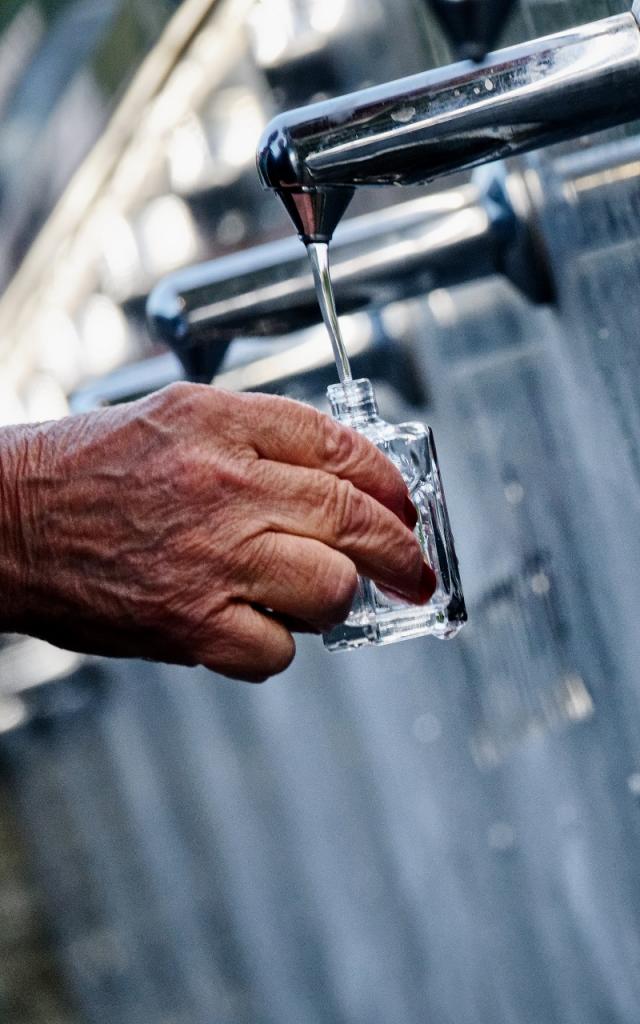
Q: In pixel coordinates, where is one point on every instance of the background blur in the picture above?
(446, 832)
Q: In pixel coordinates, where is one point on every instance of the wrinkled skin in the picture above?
(197, 527)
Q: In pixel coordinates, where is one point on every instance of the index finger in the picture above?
(291, 432)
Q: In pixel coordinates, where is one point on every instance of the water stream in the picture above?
(319, 257)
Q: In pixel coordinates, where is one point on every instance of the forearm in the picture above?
(55, 528)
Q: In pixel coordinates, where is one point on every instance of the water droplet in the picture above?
(578, 705)
(514, 492)
(540, 584)
(488, 84)
(403, 115)
(232, 228)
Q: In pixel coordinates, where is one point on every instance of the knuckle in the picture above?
(228, 476)
(182, 394)
(351, 510)
(174, 407)
(338, 442)
(176, 390)
(256, 407)
(180, 389)
(185, 401)
(385, 473)
(264, 559)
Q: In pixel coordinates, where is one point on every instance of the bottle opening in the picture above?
(353, 401)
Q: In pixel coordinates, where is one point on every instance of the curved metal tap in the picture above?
(415, 129)
(482, 228)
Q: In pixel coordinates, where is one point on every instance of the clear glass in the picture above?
(376, 618)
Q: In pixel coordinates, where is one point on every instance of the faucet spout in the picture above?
(487, 226)
(413, 130)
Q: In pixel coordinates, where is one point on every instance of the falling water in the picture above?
(319, 256)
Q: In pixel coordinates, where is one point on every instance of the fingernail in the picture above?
(410, 514)
(428, 582)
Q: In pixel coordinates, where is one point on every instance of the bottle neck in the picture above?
(353, 402)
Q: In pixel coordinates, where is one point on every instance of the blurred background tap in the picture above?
(473, 27)
(485, 227)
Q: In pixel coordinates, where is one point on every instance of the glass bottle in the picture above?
(375, 617)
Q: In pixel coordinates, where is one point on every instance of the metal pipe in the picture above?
(415, 129)
(406, 250)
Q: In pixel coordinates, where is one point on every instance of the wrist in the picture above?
(16, 556)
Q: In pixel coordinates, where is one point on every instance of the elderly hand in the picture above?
(198, 527)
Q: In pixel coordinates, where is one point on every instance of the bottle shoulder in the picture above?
(380, 431)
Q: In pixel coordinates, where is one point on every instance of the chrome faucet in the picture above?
(416, 129)
(496, 223)
(487, 226)
(409, 132)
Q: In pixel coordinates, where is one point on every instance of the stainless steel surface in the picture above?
(413, 130)
(475, 230)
